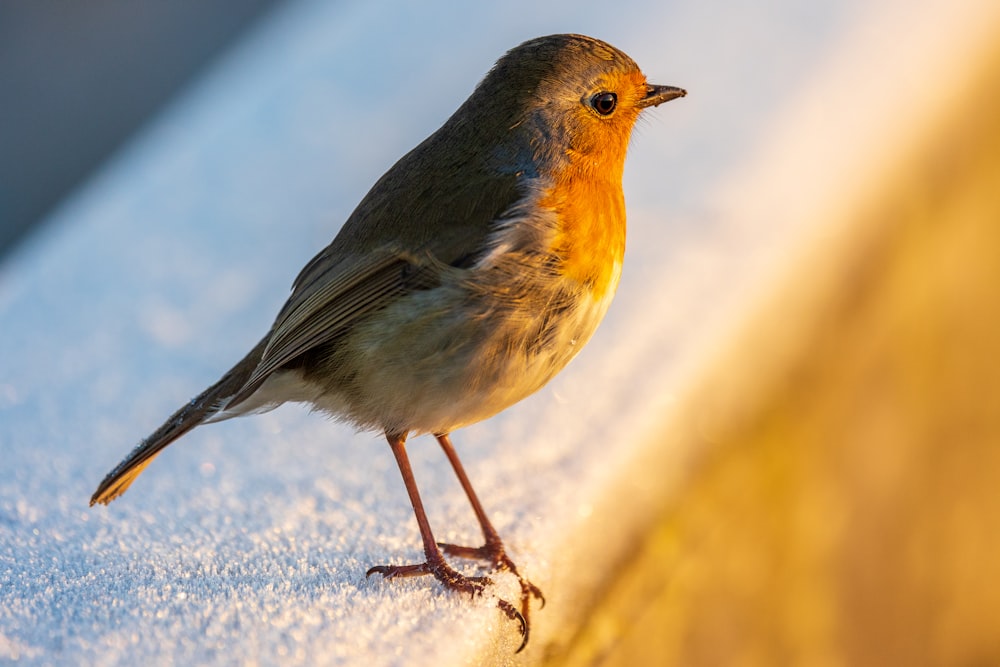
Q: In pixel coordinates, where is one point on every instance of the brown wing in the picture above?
(398, 239)
(323, 308)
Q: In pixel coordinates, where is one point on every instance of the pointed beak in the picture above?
(657, 95)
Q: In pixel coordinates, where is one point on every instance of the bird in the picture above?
(468, 276)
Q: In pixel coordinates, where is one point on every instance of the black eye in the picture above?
(604, 103)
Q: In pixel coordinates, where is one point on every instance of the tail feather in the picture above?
(182, 421)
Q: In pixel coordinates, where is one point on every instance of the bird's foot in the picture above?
(454, 581)
(493, 552)
(440, 570)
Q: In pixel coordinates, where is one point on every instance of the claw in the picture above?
(463, 584)
(393, 571)
(440, 571)
(514, 615)
(497, 555)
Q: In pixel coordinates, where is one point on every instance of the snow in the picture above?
(248, 541)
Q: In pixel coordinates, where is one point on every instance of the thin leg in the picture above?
(435, 563)
(493, 549)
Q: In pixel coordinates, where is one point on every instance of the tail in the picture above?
(182, 421)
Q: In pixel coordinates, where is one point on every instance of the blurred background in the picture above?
(77, 80)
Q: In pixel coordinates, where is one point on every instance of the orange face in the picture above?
(587, 195)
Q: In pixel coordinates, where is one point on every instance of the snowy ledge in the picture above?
(248, 541)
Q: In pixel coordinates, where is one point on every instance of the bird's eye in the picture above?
(604, 103)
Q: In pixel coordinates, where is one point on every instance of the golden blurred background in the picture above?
(847, 509)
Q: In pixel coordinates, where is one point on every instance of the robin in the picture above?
(470, 274)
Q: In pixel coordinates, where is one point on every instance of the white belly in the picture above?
(430, 365)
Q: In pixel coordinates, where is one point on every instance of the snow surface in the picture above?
(248, 541)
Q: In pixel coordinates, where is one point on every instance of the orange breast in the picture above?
(591, 238)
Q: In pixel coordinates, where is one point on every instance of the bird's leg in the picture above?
(492, 550)
(435, 563)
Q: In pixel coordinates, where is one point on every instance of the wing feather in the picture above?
(364, 268)
(322, 309)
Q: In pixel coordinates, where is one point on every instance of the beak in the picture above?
(657, 95)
